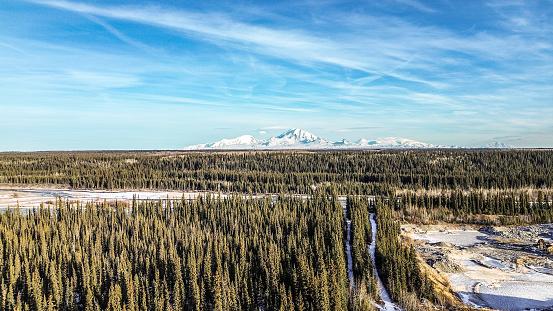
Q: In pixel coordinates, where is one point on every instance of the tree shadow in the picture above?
(502, 302)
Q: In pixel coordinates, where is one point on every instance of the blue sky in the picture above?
(125, 74)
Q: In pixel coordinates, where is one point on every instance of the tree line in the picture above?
(498, 207)
(349, 172)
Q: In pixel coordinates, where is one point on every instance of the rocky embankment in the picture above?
(438, 257)
(527, 234)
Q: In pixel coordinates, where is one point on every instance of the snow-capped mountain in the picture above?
(297, 135)
(300, 139)
(242, 141)
(497, 145)
(343, 143)
(294, 137)
(395, 142)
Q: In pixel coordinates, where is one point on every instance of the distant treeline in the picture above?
(351, 172)
(506, 207)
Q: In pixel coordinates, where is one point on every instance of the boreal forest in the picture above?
(272, 230)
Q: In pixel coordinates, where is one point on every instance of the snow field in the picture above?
(488, 281)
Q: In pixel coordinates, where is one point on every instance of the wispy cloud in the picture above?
(400, 65)
(383, 56)
(13, 48)
(417, 5)
(214, 26)
(120, 35)
(103, 80)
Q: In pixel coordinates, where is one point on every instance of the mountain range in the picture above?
(497, 145)
(299, 139)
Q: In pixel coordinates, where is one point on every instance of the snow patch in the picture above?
(456, 237)
(513, 295)
(495, 263)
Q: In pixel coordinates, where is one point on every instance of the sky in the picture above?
(133, 74)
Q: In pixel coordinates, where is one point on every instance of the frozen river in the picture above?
(29, 198)
(388, 304)
(348, 246)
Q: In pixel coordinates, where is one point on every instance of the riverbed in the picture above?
(486, 270)
(34, 197)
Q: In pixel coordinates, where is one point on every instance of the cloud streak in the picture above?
(215, 27)
(400, 65)
(413, 52)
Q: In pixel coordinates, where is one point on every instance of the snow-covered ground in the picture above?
(456, 237)
(496, 274)
(516, 295)
(495, 263)
(29, 198)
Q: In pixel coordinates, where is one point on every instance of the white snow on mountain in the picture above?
(241, 142)
(299, 139)
(343, 143)
(497, 145)
(298, 135)
(295, 137)
(394, 142)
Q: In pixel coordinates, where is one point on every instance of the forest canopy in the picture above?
(242, 252)
(349, 172)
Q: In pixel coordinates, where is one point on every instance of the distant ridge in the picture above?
(299, 139)
(497, 145)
